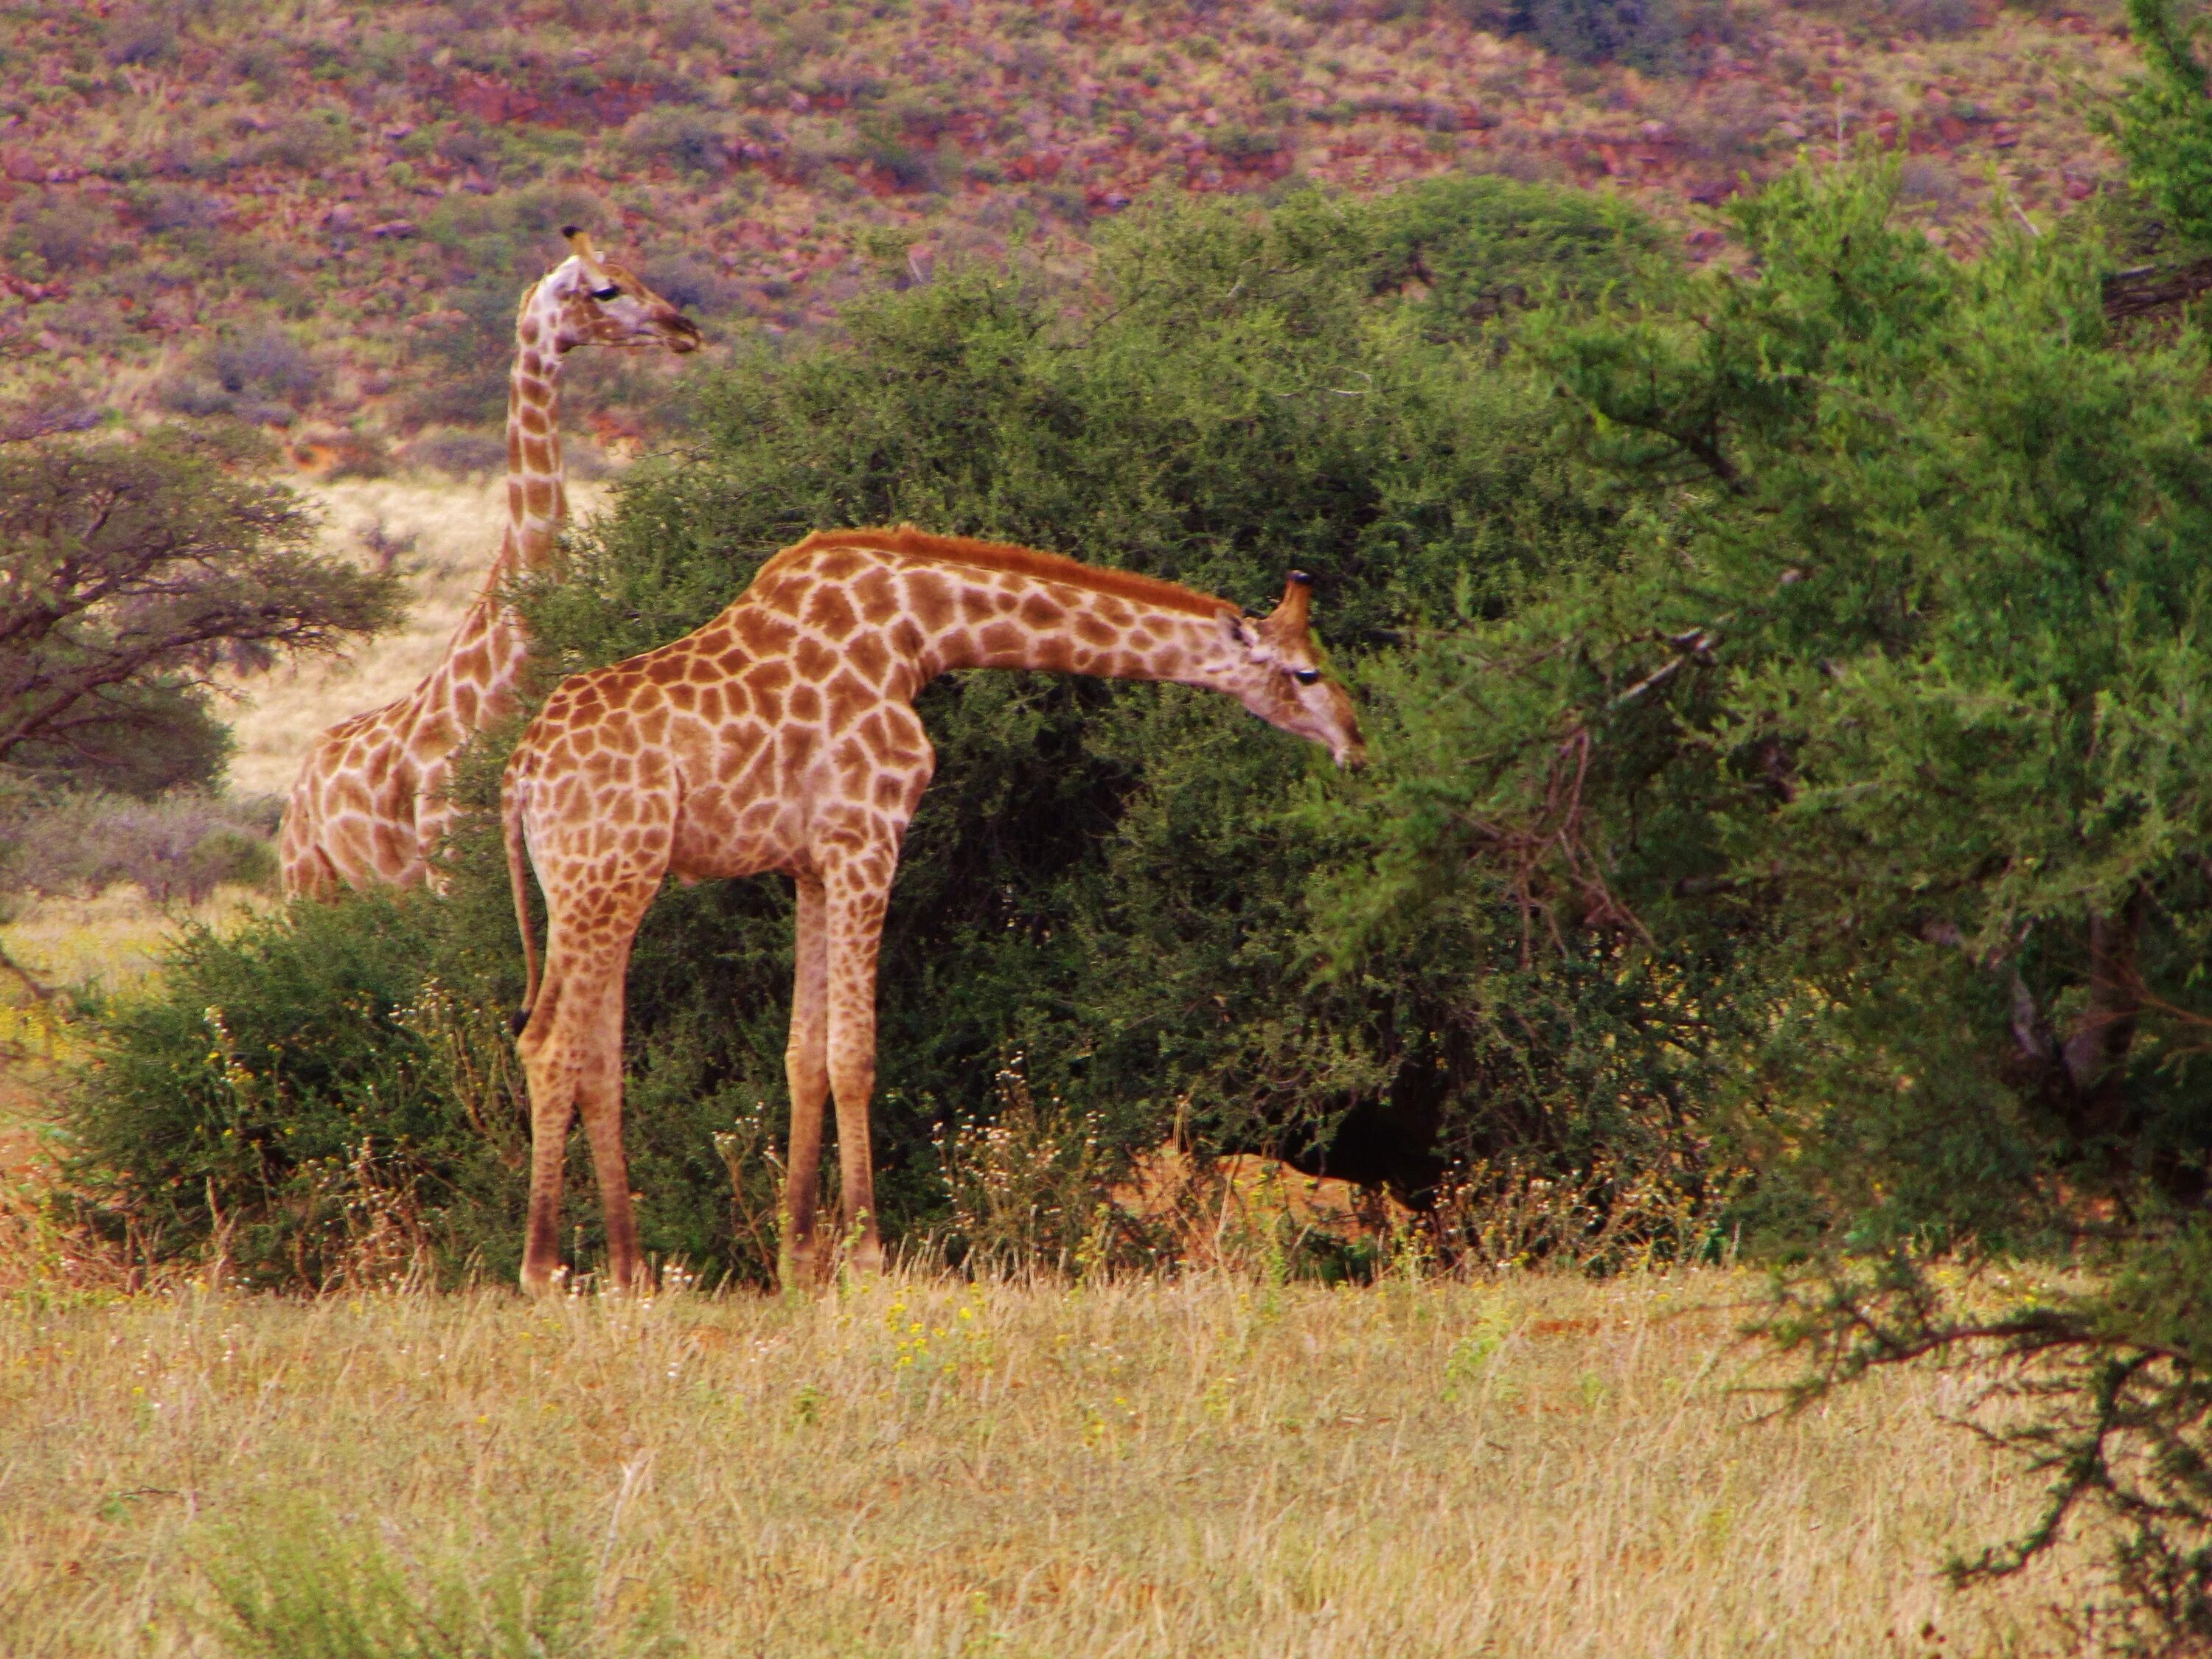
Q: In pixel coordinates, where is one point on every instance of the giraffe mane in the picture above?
(915, 544)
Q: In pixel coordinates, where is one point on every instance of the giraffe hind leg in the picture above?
(599, 1097)
(806, 1067)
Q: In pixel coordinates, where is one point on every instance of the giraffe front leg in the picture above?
(857, 897)
(598, 1091)
(595, 1009)
(805, 1064)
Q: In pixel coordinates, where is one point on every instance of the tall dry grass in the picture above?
(443, 534)
(114, 939)
(1214, 1466)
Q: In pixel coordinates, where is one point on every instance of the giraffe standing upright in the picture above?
(369, 807)
(782, 737)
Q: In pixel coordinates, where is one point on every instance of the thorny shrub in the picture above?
(183, 846)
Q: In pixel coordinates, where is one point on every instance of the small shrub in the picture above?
(235, 1094)
(267, 361)
(143, 34)
(460, 399)
(458, 453)
(1932, 20)
(357, 455)
(183, 846)
(1242, 143)
(1642, 33)
(690, 139)
(469, 144)
(173, 207)
(67, 232)
(906, 165)
(1030, 1187)
(300, 1583)
(690, 23)
(815, 147)
(307, 140)
(194, 394)
(691, 283)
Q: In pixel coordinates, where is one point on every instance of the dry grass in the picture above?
(445, 535)
(111, 939)
(1218, 1466)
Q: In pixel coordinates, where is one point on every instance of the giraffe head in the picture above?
(595, 300)
(1276, 673)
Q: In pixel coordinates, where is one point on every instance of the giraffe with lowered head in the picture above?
(369, 807)
(782, 737)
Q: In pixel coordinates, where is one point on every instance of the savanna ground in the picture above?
(1221, 1464)
(1217, 1465)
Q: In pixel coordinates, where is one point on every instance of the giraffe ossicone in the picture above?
(369, 807)
(782, 737)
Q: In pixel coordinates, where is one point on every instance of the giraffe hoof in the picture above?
(544, 1281)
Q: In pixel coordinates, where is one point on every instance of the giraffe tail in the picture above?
(510, 815)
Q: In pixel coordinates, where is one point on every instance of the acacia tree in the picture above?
(133, 569)
(1894, 699)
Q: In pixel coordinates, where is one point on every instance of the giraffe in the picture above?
(369, 807)
(782, 737)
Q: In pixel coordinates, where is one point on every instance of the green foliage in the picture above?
(242, 1084)
(1109, 880)
(2164, 123)
(1888, 700)
(304, 1585)
(1646, 34)
(164, 736)
(1890, 679)
(136, 569)
(1481, 245)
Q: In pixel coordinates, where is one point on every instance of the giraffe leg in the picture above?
(805, 1063)
(857, 898)
(598, 1087)
(549, 1065)
(572, 1056)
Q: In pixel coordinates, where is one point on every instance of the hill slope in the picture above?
(316, 216)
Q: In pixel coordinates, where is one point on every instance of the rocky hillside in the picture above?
(316, 215)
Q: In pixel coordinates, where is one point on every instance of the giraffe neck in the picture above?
(969, 618)
(537, 486)
(485, 656)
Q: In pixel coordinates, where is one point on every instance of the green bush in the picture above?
(1109, 880)
(689, 139)
(1644, 33)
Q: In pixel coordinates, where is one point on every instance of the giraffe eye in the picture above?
(1305, 676)
(602, 294)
